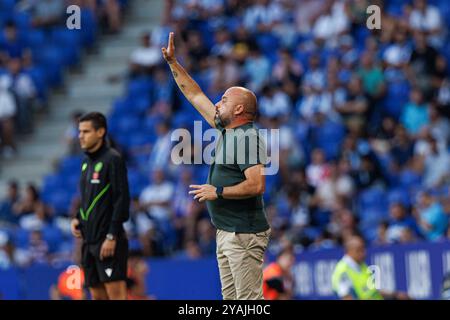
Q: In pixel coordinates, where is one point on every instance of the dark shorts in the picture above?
(111, 269)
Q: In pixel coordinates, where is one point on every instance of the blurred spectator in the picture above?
(426, 17)
(317, 171)
(206, 237)
(161, 94)
(197, 51)
(142, 227)
(11, 42)
(402, 148)
(436, 162)
(6, 205)
(381, 238)
(368, 174)
(355, 110)
(223, 45)
(400, 224)
(156, 197)
(191, 251)
(45, 13)
(415, 113)
(110, 14)
(332, 22)
(306, 13)
(257, 69)
(32, 206)
(274, 102)
(432, 219)
(144, 58)
(8, 110)
(287, 67)
(398, 53)
(38, 249)
(71, 134)
(422, 62)
(137, 277)
(373, 83)
(315, 75)
(224, 74)
(278, 280)
(263, 15)
(337, 187)
(160, 154)
(24, 90)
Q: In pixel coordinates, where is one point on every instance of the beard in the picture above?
(221, 120)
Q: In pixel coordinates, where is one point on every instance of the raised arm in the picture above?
(187, 85)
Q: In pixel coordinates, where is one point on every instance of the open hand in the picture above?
(203, 192)
(169, 52)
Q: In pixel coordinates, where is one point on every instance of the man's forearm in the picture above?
(187, 85)
(245, 189)
(193, 92)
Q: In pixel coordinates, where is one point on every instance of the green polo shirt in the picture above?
(237, 150)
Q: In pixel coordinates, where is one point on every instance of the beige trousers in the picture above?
(240, 257)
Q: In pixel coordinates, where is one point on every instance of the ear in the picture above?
(239, 109)
(101, 132)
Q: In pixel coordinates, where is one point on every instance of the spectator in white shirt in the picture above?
(263, 16)
(274, 102)
(144, 58)
(426, 17)
(332, 23)
(7, 112)
(156, 198)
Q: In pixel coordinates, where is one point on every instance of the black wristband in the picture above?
(219, 192)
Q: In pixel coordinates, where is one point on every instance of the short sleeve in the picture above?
(254, 149)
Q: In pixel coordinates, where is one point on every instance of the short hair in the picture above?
(98, 120)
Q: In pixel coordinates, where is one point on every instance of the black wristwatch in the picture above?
(110, 237)
(219, 192)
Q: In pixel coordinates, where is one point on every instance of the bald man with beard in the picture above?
(235, 186)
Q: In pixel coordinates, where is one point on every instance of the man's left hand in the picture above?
(203, 192)
(108, 249)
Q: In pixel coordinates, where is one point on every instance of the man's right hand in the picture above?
(169, 52)
(73, 227)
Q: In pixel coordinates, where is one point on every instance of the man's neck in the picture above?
(95, 148)
(237, 123)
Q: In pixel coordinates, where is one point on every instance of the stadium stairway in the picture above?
(88, 90)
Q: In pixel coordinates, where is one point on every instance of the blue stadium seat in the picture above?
(372, 199)
(51, 58)
(139, 87)
(22, 20)
(396, 97)
(329, 137)
(409, 179)
(53, 236)
(35, 38)
(21, 238)
(7, 5)
(399, 195)
(70, 165)
(39, 78)
(60, 201)
(70, 43)
(88, 28)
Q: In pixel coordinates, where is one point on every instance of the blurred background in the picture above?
(364, 137)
